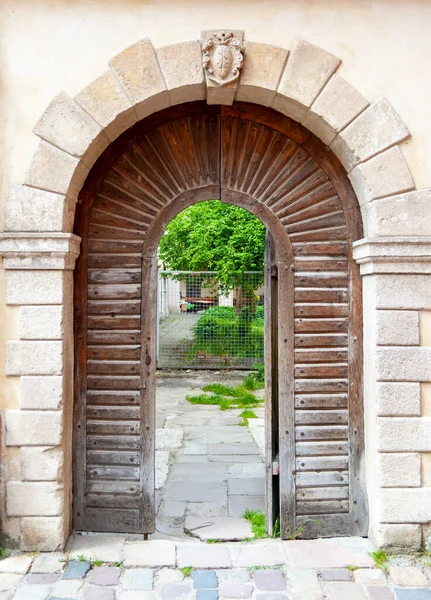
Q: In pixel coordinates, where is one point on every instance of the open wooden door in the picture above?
(279, 392)
(272, 470)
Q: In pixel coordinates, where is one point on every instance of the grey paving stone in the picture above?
(15, 564)
(265, 554)
(67, 588)
(207, 595)
(138, 579)
(172, 591)
(62, 598)
(246, 487)
(235, 589)
(237, 505)
(371, 577)
(408, 577)
(212, 556)
(108, 548)
(234, 458)
(270, 580)
(336, 575)
(105, 575)
(97, 593)
(275, 597)
(233, 449)
(340, 590)
(379, 592)
(413, 594)
(48, 562)
(43, 578)
(224, 575)
(10, 581)
(222, 528)
(195, 492)
(76, 569)
(204, 579)
(32, 592)
(172, 508)
(206, 509)
(247, 470)
(154, 553)
(328, 553)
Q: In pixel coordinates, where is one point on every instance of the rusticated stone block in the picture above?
(404, 434)
(397, 328)
(24, 498)
(181, 65)
(306, 72)
(57, 171)
(399, 470)
(398, 399)
(66, 125)
(43, 392)
(403, 364)
(41, 322)
(28, 209)
(105, 100)
(33, 428)
(45, 534)
(34, 358)
(41, 463)
(139, 73)
(403, 291)
(35, 287)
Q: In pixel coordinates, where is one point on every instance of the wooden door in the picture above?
(273, 167)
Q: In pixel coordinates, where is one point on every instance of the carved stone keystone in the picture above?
(222, 58)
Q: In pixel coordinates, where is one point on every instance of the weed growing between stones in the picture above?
(246, 415)
(380, 559)
(227, 396)
(186, 571)
(257, 521)
(3, 552)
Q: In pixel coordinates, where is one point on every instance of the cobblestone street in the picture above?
(108, 567)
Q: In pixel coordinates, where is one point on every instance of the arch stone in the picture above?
(39, 251)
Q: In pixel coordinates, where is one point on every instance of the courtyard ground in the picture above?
(209, 470)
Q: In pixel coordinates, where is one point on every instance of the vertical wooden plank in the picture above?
(80, 309)
(357, 484)
(147, 512)
(270, 358)
(286, 397)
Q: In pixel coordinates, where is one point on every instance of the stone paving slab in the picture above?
(107, 548)
(157, 553)
(224, 528)
(48, 562)
(328, 553)
(203, 557)
(15, 564)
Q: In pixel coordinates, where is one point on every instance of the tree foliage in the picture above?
(214, 236)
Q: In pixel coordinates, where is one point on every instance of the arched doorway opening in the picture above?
(277, 170)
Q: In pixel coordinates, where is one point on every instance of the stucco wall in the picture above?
(51, 46)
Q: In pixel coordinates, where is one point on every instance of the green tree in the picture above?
(214, 236)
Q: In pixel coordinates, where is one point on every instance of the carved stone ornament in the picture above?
(222, 57)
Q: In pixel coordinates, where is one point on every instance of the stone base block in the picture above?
(399, 537)
(46, 534)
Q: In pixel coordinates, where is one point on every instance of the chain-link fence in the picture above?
(201, 325)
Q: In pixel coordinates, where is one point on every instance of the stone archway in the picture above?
(39, 249)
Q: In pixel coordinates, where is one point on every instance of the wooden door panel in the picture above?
(272, 166)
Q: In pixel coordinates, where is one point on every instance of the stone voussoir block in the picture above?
(377, 128)
(138, 71)
(399, 469)
(33, 498)
(261, 73)
(46, 534)
(44, 392)
(57, 171)
(397, 328)
(35, 287)
(406, 363)
(66, 125)
(33, 428)
(41, 463)
(34, 358)
(404, 434)
(105, 100)
(32, 210)
(41, 322)
(181, 66)
(384, 175)
(307, 71)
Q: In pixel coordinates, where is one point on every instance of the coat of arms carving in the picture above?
(222, 57)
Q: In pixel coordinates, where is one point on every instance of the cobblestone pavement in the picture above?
(209, 468)
(108, 567)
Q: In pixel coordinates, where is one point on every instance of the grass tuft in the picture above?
(257, 520)
(186, 571)
(219, 389)
(246, 415)
(380, 558)
(3, 552)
